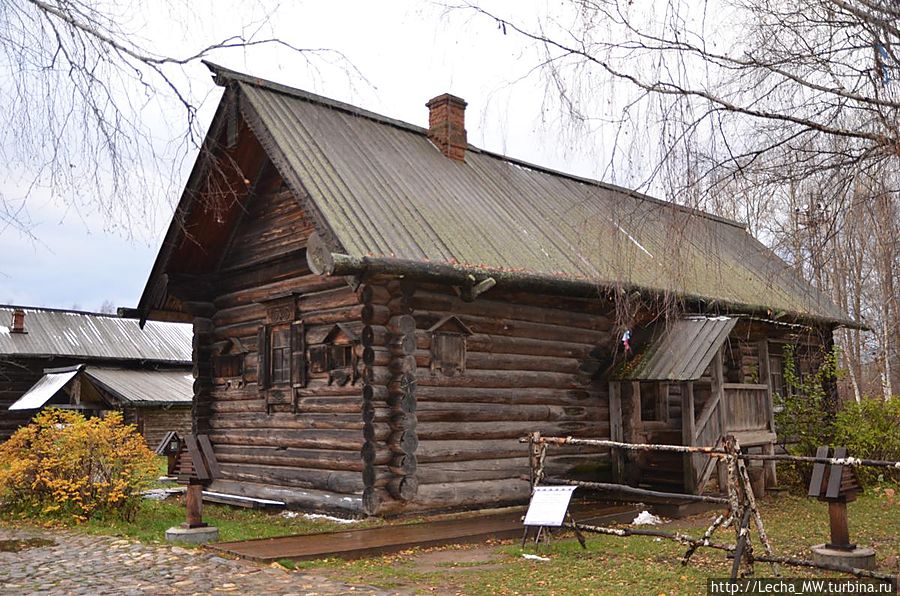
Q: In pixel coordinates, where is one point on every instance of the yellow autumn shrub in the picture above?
(63, 465)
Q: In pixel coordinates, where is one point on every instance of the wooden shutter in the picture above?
(298, 354)
(262, 351)
(448, 353)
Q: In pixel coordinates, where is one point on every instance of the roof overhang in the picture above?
(323, 262)
(46, 388)
(682, 352)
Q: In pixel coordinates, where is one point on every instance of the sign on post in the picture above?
(549, 505)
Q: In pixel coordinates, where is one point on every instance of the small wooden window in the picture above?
(448, 353)
(341, 357)
(776, 375)
(228, 366)
(331, 351)
(326, 358)
(318, 359)
(448, 346)
(281, 355)
(280, 349)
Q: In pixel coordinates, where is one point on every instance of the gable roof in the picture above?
(53, 332)
(145, 388)
(377, 187)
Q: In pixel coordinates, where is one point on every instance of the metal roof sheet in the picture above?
(682, 352)
(42, 391)
(88, 335)
(144, 387)
(384, 190)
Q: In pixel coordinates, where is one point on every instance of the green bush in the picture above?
(803, 416)
(871, 429)
(67, 467)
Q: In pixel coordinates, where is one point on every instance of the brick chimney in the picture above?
(18, 321)
(447, 125)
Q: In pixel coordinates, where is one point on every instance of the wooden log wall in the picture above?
(530, 365)
(389, 398)
(155, 422)
(17, 375)
(306, 446)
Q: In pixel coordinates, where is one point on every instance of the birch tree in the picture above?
(784, 114)
(81, 85)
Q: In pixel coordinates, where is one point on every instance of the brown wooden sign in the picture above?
(196, 463)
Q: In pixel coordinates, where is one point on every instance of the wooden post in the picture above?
(718, 388)
(194, 502)
(687, 432)
(662, 402)
(766, 377)
(616, 432)
(840, 531)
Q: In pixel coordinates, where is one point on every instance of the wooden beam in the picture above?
(616, 432)
(662, 401)
(718, 386)
(687, 432)
(765, 377)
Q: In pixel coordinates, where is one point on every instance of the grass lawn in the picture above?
(613, 565)
(155, 517)
(610, 565)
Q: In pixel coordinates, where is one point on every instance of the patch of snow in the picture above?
(645, 518)
(534, 557)
(289, 514)
(161, 494)
(4, 330)
(240, 498)
(339, 520)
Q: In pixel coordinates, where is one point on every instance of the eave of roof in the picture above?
(94, 337)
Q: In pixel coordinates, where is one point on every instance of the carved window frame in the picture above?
(281, 318)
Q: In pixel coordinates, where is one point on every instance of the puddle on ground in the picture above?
(14, 546)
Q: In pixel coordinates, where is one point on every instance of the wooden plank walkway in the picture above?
(387, 539)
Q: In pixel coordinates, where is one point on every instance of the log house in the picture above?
(94, 363)
(407, 305)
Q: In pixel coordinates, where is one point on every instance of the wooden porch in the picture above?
(695, 412)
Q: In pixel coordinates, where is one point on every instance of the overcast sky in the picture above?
(407, 53)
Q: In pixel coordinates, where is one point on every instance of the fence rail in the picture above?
(741, 502)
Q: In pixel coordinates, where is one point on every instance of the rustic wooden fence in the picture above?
(741, 504)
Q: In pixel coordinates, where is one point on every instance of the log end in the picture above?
(318, 255)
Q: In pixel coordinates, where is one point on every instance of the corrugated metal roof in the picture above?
(145, 387)
(89, 335)
(682, 352)
(384, 190)
(42, 391)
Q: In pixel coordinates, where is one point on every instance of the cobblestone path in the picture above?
(75, 563)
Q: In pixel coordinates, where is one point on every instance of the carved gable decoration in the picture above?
(280, 309)
(450, 324)
(448, 346)
(336, 334)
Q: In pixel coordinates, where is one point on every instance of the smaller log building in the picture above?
(94, 363)
(380, 310)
